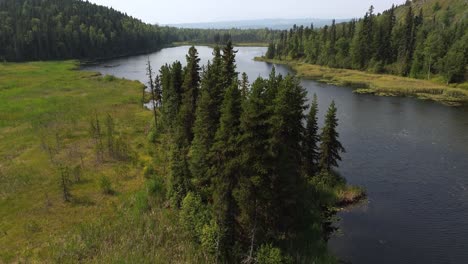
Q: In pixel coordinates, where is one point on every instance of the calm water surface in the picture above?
(410, 155)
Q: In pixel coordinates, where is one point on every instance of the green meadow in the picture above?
(45, 113)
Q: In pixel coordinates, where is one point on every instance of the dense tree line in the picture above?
(401, 41)
(63, 29)
(56, 29)
(222, 36)
(244, 158)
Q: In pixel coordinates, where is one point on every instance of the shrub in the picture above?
(106, 185)
(109, 78)
(210, 237)
(149, 172)
(267, 254)
(194, 215)
(141, 204)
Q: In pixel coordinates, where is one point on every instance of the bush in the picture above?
(156, 188)
(267, 254)
(109, 78)
(194, 215)
(106, 185)
(149, 172)
(210, 237)
(141, 204)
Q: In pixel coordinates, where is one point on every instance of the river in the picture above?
(410, 155)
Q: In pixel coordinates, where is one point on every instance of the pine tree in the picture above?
(183, 131)
(287, 134)
(330, 147)
(311, 140)
(171, 86)
(244, 86)
(206, 124)
(253, 191)
(186, 116)
(229, 60)
(224, 157)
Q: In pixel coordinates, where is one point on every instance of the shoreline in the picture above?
(377, 84)
(212, 45)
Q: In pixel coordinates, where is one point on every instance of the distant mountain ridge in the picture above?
(272, 23)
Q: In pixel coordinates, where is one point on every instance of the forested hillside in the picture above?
(65, 29)
(53, 29)
(420, 39)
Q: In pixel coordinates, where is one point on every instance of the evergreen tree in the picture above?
(244, 86)
(287, 133)
(225, 170)
(229, 60)
(183, 135)
(311, 140)
(253, 191)
(171, 86)
(206, 124)
(186, 116)
(330, 147)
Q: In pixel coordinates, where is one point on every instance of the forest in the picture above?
(248, 170)
(417, 39)
(75, 29)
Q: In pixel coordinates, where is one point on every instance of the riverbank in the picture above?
(378, 84)
(235, 44)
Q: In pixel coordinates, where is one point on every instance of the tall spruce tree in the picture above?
(225, 170)
(287, 134)
(311, 140)
(253, 192)
(190, 89)
(330, 146)
(183, 131)
(229, 60)
(171, 86)
(244, 85)
(206, 124)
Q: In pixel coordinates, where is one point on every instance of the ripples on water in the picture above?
(410, 155)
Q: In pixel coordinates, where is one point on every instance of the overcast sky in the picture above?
(190, 11)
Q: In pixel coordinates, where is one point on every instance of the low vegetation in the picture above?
(50, 165)
(379, 84)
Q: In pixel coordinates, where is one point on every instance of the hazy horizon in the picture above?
(208, 11)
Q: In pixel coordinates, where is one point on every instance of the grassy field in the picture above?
(380, 84)
(50, 104)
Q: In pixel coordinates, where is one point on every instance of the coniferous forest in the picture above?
(65, 29)
(416, 40)
(246, 163)
(56, 29)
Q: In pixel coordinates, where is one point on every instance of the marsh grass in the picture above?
(381, 84)
(45, 108)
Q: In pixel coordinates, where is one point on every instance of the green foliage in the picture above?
(311, 140)
(330, 147)
(149, 172)
(109, 78)
(194, 216)
(59, 29)
(106, 185)
(267, 254)
(240, 182)
(418, 39)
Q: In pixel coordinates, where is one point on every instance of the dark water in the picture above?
(410, 155)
